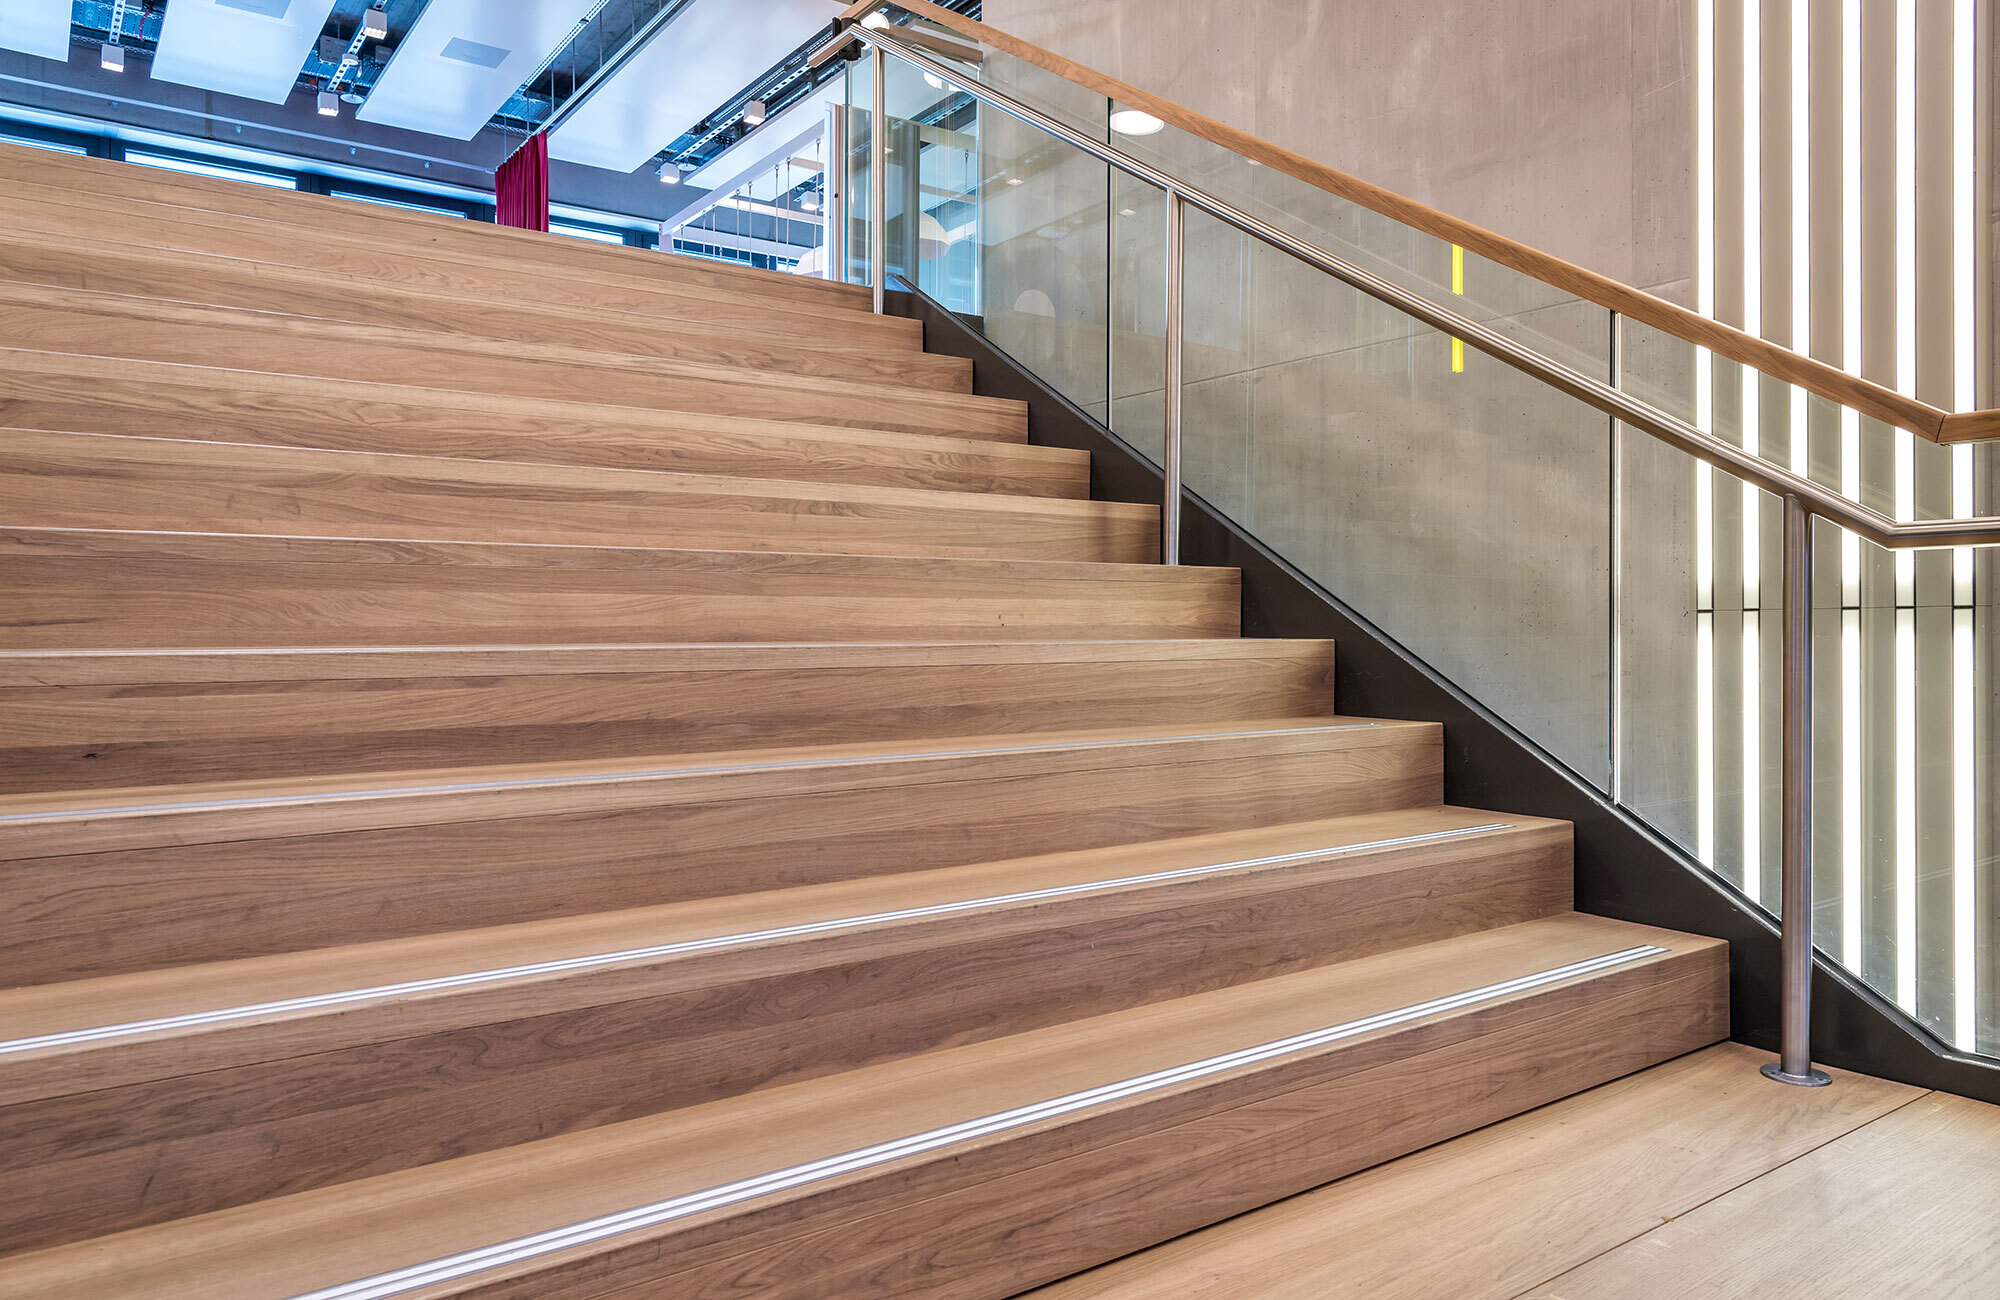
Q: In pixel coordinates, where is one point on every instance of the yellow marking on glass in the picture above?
(1457, 287)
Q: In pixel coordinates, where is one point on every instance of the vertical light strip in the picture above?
(1850, 485)
(1906, 507)
(1752, 381)
(1801, 227)
(1964, 700)
(1704, 419)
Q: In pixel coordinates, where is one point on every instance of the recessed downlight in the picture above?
(1130, 121)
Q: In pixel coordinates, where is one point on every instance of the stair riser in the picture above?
(726, 1025)
(53, 480)
(227, 282)
(61, 735)
(88, 395)
(986, 1222)
(332, 350)
(85, 591)
(224, 884)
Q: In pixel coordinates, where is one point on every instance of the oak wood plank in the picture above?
(73, 480)
(362, 256)
(82, 589)
(149, 1131)
(1491, 1214)
(497, 245)
(1903, 1206)
(27, 257)
(191, 875)
(105, 720)
(1148, 1163)
(47, 390)
(109, 325)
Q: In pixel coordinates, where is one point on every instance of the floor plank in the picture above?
(1501, 1210)
(1906, 1206)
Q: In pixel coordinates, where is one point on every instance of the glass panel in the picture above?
(1457, 504)
(1555, 322)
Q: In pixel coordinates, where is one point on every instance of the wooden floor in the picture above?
(1695, 1178)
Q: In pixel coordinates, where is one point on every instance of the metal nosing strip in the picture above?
(469, 1262)
(610, 778)
(473, 979)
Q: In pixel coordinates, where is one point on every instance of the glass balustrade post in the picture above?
(1170, 491)
(1795, 919)
(878, 180)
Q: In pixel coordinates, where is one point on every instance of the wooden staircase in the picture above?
(534, 770)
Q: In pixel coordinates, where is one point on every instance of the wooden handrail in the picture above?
(1779, 362)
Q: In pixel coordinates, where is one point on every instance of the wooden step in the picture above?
(66, 589)
(109, 325)
(149, 1097)
(89, 480)
(91, 181)
(978, 1170)
(362, 256)
(1497, 1212)
(106, 719)
(58, 391)
(102, 882)
(55, 261)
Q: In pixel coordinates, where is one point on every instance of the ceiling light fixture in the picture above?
(876, 20)
(753, 113)
(375, 23)
(1013, 180)
(112, 58)
(329, 104)
(1130, 121)
(810, 202)
(669, 175)
(934, 81)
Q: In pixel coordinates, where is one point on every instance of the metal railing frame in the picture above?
(1803, 499)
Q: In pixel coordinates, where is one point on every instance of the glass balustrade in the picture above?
(1610, 597)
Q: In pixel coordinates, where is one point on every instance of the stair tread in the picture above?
(365, 1228)
(117, 667)
(90, 179)
(81, 322)
(69, 391)
(1364, 841)
(19, 809)
(470, 470)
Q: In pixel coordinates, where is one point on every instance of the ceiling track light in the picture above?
(754, 112)
(669, 174)
(111, 58)
(329, 104)
(375, 23)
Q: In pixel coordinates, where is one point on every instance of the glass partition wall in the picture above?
(1616, 600)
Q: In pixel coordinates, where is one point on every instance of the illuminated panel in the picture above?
(231, 48)
(685, 70)
(464, 60)
(38, 27)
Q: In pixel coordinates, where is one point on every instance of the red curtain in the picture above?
(521, 186)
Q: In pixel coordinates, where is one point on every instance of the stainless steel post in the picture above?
(835, 206)
(1170, 495)
(1794, 1063)
(878, 181)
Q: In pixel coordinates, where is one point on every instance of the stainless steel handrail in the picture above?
(1803, 499)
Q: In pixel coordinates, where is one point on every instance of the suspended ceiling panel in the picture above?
(35, 27)
(708, 53)
(252, 48)
(464, 59)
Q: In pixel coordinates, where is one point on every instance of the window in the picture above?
(222, 171)
(34, 142)
(596, 234)
(359, 197)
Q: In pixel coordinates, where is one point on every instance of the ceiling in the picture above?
(652, 80)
